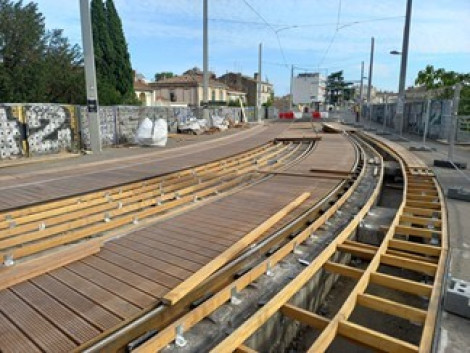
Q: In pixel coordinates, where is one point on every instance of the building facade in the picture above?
(242, 83)
(309, 89)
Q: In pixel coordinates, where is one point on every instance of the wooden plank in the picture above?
(414, 265)
(411, 256)
(419, 248)
(419, 232)
(401, 284)
(304, 316)
(391, 307)
(422, 211)
(421, 221)
(23, 271)
(245, 349)
(314, 176)
(374, 339)
(357, 251)
(185, 287)
(424, 204)
(343, 270)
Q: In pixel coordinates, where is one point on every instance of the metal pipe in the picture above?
(258, 83)
(205, 63)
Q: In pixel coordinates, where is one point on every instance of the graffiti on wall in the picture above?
(10, 136)
(50, 128)
(28, 130)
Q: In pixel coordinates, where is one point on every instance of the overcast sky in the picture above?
(166, 35)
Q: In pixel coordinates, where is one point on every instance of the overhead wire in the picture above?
(271, 27)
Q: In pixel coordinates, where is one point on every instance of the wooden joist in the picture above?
(409, 264)
(304, 316)
(401, 284)
(357, 251)
(343, 270)
(374, 339)
(421, 221)
(245, 349)
(391, 307)
(415, 231)
(424, 204)
(416, 211)
(315, 176)
(424, 249)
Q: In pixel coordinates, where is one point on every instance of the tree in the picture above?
(22, 31)
(337, 89)
(113, 68)
(122, 68)
(164, 74)
(440, 84)
(38, 65)
(63, 74)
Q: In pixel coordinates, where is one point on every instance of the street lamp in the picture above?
(395, 52)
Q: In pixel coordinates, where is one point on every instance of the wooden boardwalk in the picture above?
(64, 308)
(20, 190)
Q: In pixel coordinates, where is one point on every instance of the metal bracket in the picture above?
(180, 341)
(269, 270)
(107, 217)
(42, 226)
(234, 298)
(296, 249)
(135, 220)
(8, 260)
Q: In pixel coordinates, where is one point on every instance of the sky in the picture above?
(312, 35)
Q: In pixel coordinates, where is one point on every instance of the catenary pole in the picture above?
(90, 78)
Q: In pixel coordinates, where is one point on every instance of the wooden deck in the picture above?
(64, 308)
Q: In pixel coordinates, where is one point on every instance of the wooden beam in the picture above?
(245, 349)
(391, 307)
(401, 284)
(357, 251)
(297, 139)
(411, 256)
(315, 176)
(419, 232)
(421, 220)
(304, 316)
(343, 270)
(361, 245)
(23, 271)
(424, 204)
(422, 211)
(374, 339)
(406, 245)
(329, 171)
(414, 265)
(196, 278)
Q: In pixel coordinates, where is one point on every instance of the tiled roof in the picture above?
(186, 80)
(141, 86)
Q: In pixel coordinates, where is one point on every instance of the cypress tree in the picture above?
(104, 55)
(121, 65)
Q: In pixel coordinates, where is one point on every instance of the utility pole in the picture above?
(453, 120)
(291, 97)
(205, 64)
(404, 60)
(90, 78)
(361, 87)
(369, 83)
(258, 84)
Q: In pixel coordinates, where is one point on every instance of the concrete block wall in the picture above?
(414, 117)
(37, 129)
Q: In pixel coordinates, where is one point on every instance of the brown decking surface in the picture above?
(23, 188)
(64, 308)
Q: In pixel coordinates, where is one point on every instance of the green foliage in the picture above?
(337, 89)
(441, 84)
(113, 68)
(38, 66)
(162, 75)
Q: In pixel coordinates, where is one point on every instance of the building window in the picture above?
(213, 94)
(142, 97)
(172, 96)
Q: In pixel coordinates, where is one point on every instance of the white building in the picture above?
(308, 88)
